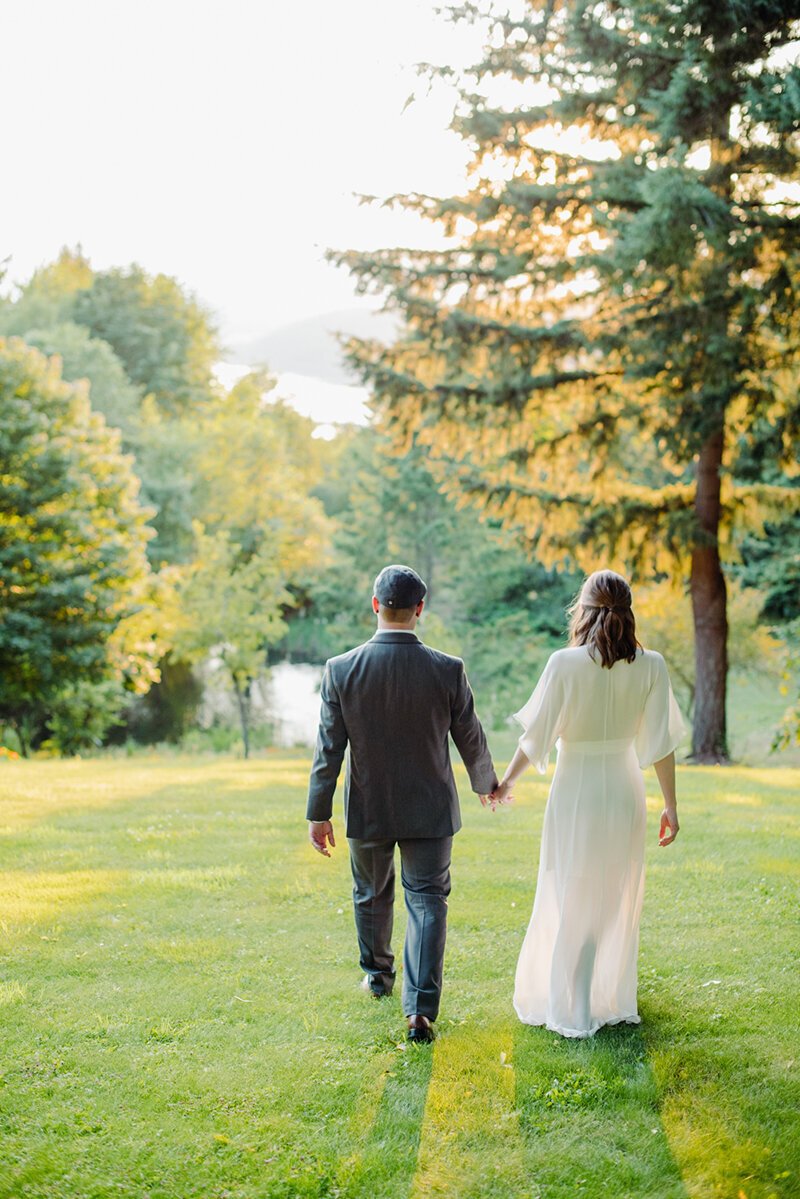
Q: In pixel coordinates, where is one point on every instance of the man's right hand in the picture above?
(320, 832)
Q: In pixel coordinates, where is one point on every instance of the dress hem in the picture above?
(577, 1033)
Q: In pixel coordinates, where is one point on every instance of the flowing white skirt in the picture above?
(577, 969)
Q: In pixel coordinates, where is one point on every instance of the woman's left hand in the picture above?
(501, 796)
(669, 820)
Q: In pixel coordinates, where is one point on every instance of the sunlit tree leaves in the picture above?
(608, 333)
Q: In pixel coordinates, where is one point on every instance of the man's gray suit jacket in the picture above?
(392, 703)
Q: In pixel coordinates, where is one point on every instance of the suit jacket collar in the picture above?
(397, 637)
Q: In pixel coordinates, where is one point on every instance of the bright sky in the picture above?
(220, 141)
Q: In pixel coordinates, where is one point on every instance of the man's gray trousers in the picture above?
(425, 875)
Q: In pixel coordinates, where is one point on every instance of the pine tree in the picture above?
(610, 328)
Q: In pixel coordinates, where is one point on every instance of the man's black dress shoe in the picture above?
(367, 988)
(420, 1029)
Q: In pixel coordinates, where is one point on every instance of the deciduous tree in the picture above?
(258, 530)
(164, 337)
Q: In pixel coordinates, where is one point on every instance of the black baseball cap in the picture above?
(399, 587)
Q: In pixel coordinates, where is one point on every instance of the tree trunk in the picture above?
(709, 607)
(242, 698)
(23, 748)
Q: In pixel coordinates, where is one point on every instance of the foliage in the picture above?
(789, 731)
(256, 462)
(147, 349)
(610, 330)
(147, 384)
(45, 301)
(486, 602)
(164, 713)
(166, 450)
(162, 916)
(80, 714)
(257, 530)
(42, 315)
(230, 609)
(385, 508)
(664, 622)
(73, 569)
(227, 477)
(85, 357)
(771, 564)
(165, 339)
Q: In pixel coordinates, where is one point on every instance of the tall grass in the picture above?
(180, 1014)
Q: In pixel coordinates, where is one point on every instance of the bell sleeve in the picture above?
(661, 728)
(541, 718)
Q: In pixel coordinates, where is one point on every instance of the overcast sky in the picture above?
(220, 141)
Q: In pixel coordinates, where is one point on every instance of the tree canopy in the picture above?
(165, 340)
(147, 349)
(86, 357)
(605, 353)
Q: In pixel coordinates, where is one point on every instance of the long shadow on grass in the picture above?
(589, 1115)
(728, 1102)
(389, 1160)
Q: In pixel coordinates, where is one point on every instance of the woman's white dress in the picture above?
(578, 966)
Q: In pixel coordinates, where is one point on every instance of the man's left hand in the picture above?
(320, 832)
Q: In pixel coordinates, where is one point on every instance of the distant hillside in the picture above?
(309, 347)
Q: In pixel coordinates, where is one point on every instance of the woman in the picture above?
(610, 705)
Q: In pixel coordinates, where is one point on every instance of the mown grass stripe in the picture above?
(471, 1142)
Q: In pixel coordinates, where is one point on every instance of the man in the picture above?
(393, 702)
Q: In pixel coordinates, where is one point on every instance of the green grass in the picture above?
(180, 1013)
(756, 708)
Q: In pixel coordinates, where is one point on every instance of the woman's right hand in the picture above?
(665, 773)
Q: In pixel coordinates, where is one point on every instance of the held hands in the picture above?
(501, 796)
(320, 832)
(669, 826)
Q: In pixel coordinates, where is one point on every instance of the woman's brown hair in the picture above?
(601, 618)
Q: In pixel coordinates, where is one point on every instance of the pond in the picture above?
(292, 702)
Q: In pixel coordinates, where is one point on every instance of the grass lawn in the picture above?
(180, 1013)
